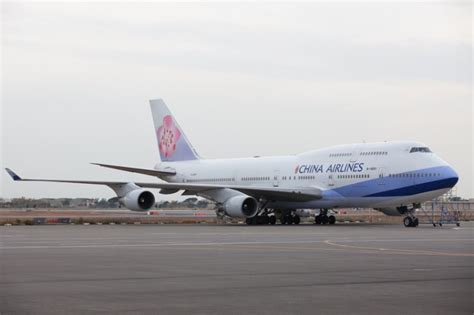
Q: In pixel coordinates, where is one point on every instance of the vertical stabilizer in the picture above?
(172, 142)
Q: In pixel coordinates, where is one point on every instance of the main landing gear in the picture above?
(290, 218)
(262, 219)
(324, 218)
(270, 217)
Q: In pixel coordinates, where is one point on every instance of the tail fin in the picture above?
(172, 142)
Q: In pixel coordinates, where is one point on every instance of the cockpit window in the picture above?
(420, 149)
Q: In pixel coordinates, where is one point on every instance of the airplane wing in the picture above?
(268, 193)
(138, 170)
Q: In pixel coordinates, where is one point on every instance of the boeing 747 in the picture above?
(391, 177)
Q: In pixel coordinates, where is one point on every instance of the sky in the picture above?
(242, 79)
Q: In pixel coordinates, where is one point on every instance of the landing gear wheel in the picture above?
(416, 222)
(321, 219)
(317, 219)
(265, 219)
(408, 222)
(272, 220)
(296, 219)
(332, 219)
(286, 219)
(324, 219)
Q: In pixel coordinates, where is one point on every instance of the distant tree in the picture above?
(190, 200)
(164, 204)
(202, 204)
(102, 203)
(173, 204)
(113, 202)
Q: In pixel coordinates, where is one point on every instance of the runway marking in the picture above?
(152, 245)
(406, 240)
(359, 249)
(400, 251)
(66, 244)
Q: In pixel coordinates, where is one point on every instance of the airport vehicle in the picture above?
(392, 177)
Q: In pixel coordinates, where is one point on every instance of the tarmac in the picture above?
(236, 269)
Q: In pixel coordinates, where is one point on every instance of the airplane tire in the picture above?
(272, 220)
(332, 219)
(265, 220)
(317, 219)
(289, 220)
(296, 219)
(416, 222)
(408, 222)
(324, 219)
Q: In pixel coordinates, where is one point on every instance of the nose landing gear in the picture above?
(410, 221)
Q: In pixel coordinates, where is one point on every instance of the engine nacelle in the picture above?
(241, 207)
(138, 200)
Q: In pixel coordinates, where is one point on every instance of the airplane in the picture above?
(392, 177)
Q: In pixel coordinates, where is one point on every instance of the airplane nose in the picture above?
(452, 176)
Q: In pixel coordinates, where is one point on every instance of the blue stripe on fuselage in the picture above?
(444, 177)
(418, 188)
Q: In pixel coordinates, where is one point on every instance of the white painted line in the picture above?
(175, 244)
(155, 245)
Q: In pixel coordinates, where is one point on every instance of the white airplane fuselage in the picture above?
(375, 175)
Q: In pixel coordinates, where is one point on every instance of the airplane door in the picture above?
(355, 154)
(276, 178)
(331, 180)
(382, 175)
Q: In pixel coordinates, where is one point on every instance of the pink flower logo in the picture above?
(297, 168)
(168, 135)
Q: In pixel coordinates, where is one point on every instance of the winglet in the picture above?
(13, 175)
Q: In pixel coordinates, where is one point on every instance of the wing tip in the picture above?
(12, 174)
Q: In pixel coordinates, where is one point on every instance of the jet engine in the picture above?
(138, 200)
(241, 207)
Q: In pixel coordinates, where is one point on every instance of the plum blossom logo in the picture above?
(297, 168)
(168, 135)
